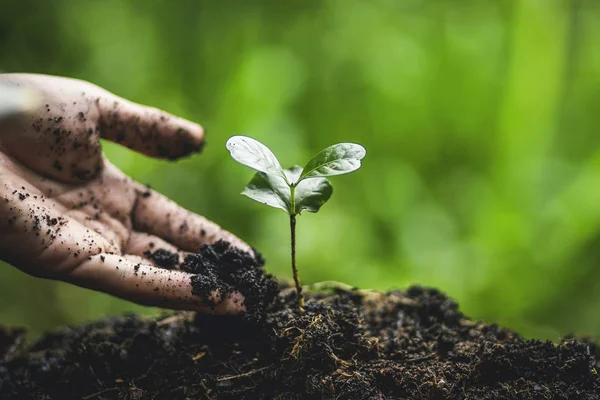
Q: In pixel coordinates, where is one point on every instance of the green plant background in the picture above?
(480, 118)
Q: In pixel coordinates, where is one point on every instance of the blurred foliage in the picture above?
(480, 118)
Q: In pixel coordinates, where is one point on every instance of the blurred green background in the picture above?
(480, 118)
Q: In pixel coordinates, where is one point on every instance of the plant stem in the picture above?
(294, 269)
(293, 199)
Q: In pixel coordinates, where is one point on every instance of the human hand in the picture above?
(67, 213)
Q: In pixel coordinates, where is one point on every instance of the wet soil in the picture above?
(351, 344)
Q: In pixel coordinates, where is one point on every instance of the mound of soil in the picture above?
(351, 344)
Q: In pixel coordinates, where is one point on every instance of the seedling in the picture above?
(295, 189)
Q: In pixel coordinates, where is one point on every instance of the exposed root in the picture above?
(297, 347)
(295, 352)
(343, 363)
(254, 371)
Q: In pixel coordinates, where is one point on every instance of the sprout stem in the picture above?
(294, 268)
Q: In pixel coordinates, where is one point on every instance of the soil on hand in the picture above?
(351, 344)
(226, 269)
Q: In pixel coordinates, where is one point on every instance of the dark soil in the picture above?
(413, 344)
(351, 344)
(163, 258)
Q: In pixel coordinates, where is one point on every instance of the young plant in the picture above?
(295, 189)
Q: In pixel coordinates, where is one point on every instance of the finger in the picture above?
(63, 131)
(36, 235)
(39, 239)
(154, 250)
(130, 278)
(148, 130)
(157, 215)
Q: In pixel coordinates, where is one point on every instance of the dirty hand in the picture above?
(66, 213)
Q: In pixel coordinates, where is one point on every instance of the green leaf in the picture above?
(337, 159)
(255, 155)
(270, 190)
(273, 191)
(310, 194)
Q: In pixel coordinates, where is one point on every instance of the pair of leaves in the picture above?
(273, 191)
(296, 189)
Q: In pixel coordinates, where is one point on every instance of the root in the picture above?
(343, 363)
(297, 347)
(252, 372)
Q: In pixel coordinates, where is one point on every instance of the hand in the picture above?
(66, 213)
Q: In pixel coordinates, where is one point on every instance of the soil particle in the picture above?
(350, 344)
